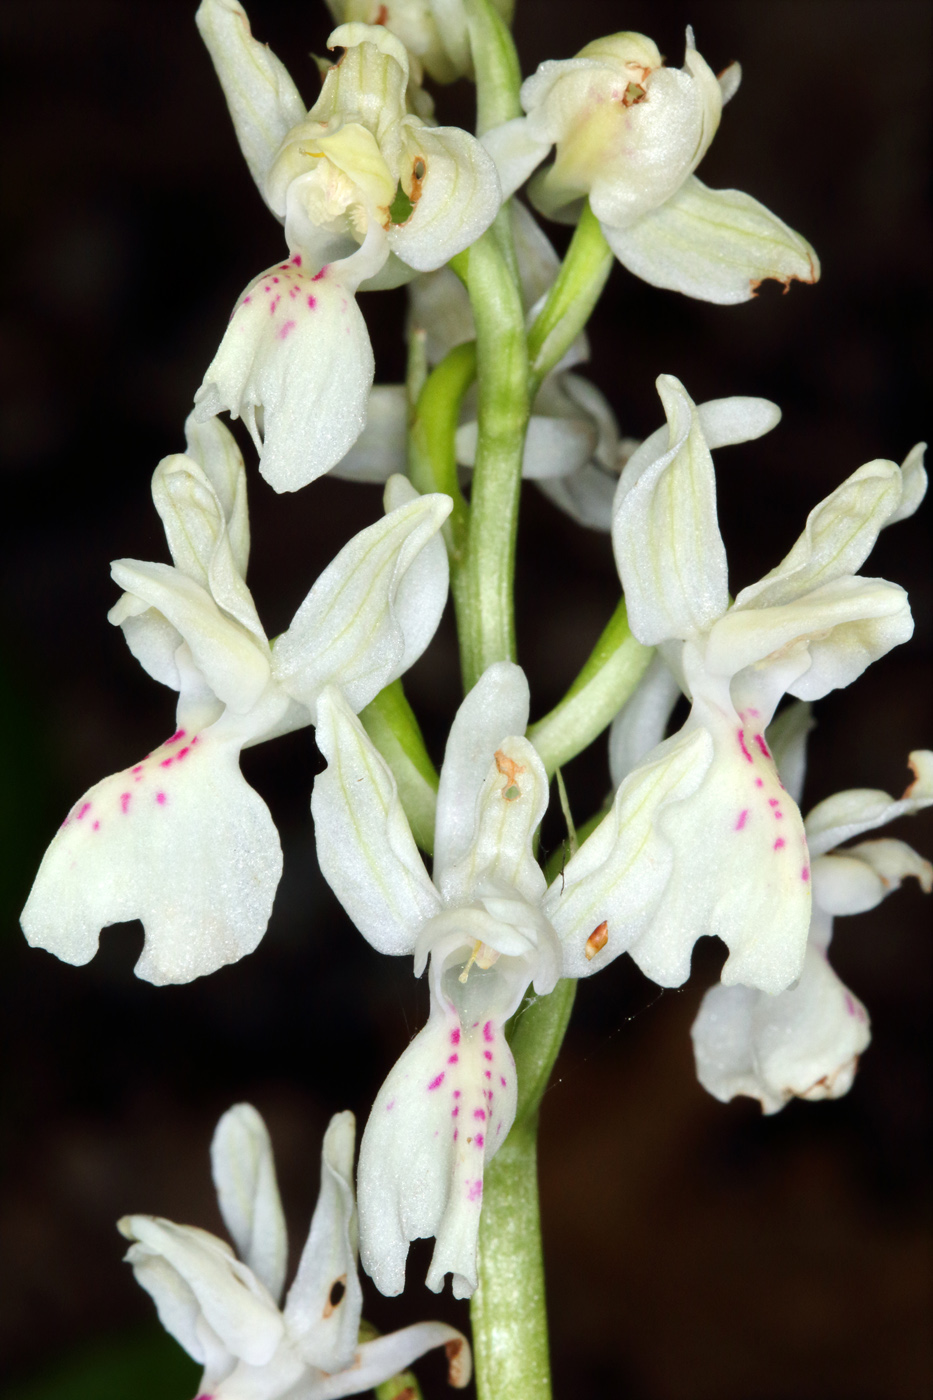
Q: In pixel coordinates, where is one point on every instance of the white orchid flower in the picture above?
(227, 1312)
(490, 928)
(741, 869)
(434, 32)
(180, 840)
(573, 451)
(629, 133)
(806, 1042)
(366, 190)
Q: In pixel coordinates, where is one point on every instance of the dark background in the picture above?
(695, 1251)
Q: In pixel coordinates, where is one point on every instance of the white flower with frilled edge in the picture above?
(629, 133)
(368, 194)
(805, 1043)
(227, 1311)
(572, 447)
(180, 840)
(490, 928)
(742, 870)
(435, 32)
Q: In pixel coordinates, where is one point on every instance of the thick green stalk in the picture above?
(498, 72)
(432, 461)
(615, 666)
(572, 298)
(508, 1313)
(483, 584)
(390, 722)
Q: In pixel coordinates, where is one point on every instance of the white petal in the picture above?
(214, 448)
(839, 535)
(608, 892)
(181, 842)
(496, 706)
(178, 1308)
(297, 347)
(458, 195)
(893, 861)
(446, 1106)
(517, 148)
(847, 814)
(843, 884)
(740, 871)
(248, 1194)
(729, 80)
(150, 637)
(665, 534)
(913, 483)
(379, 1360)
(231, 660)
(787, 740)
(263, 101)
(641, 722)
(324, 1303)
(236, 1306)
(803, 1043)
(717, 245)
(373, 610)
(381, 447)
(364, 844)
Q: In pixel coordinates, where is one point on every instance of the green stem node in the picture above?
(616, 665)
(390, 722)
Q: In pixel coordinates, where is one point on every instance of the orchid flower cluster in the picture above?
(702, 834)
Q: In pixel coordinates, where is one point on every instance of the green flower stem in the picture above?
(483, 583)
(498, 72)
(432, 462)
(616, 665)
(572, 298)
(510, 1340)
(390, 722)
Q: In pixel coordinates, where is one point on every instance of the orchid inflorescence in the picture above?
(702, 834)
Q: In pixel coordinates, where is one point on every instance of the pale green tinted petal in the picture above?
(496, 707)
(179, 841)
(296, 347)
(381, 447)
(717, 245)
(517, 148)
(913, 483)
(248, 1194)
(263, 101)
(324, 1330)
(612, 885)
(373, 610)
(641, 722)
(804, 1043)
(214, 448)
(364, 845)
(665, 534)
(839, 535)
(453, 185)
(150, 637)
(847, 814)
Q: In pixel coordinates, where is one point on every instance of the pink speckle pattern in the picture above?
(475, 1191)
(760, 741)
(778, 843)
(160, 798)
(286, 330)
(455, 1036)
(452, 1059)
(125, 802)
(805, 873)
(743, 746)
(437, 1081)
(741, 819)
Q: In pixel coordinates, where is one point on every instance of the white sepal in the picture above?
(456, 195)
(381, 447)
(296, 347)
(643, 719)
(847, 814)
(263, 101)
(364, 844)
(716, 245)
(243, 1169)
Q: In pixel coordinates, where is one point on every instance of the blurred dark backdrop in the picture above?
(695, 1251)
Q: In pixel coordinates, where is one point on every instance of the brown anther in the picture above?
(418, 171)
(336, 1295)
(382, 17)
(509, 770)
(457, 1364)
(633, 94)
(597, 940)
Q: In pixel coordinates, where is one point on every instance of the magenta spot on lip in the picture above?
(286, 330)
(275, 279)
(773, 801)
(297, 260)
(778, 816)
(487, 1031)
(166, 763)
(293, 293)
(476, 1190)
(778, 843)
(502, 1080)
(455, 1112)
(179, 734)
(160, 798)
(759, 782)
(805, 873)
(478, 1140)
(137, 769)
(487, 1054)
(84, 811)
(390, 1105)
(266, 288)
(754, 713)
(456, 1134)
(312, 302)
(480, 1113)
(182, 752)
(742, 746)
(452, 1059)
(125, 802)
(456, 1093)
(455, 1037)
(318, 275)
(437, 1081)
(743, 817)
(760, 741)
(488, 1073)
(95, 826)
(273, 304)
(247, 300)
